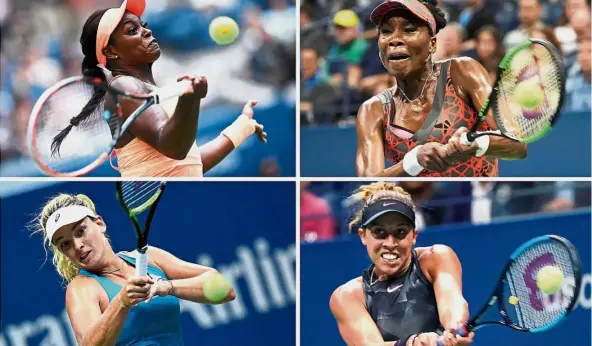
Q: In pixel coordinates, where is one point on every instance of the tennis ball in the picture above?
(529, 94)
(549, 279)
(216, 287)
(513, 300)
(224, 30)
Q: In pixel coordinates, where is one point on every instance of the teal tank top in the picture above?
(154, 323)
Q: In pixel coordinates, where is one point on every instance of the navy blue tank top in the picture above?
(154, 323)
(403, 305)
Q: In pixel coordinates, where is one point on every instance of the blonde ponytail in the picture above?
(368, 194)
(65, 268)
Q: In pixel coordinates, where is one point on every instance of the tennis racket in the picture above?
(137, 197)
(532, 70)
(89, 142)
(521, 304)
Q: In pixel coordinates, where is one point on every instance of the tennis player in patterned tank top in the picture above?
(107, 303)
(416, 124)
(119, 48)
(408, 292)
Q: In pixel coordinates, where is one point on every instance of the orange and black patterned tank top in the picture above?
(449, 113)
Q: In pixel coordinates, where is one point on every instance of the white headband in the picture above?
(65, 216)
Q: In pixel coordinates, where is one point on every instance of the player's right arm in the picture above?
(369, 128)
(90, 326)
(356, 325)
(174, 136)
(370, 157)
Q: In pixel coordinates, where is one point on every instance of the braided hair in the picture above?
(437, 12)
(88, 40)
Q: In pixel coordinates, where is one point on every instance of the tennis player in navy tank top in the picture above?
(407, 293)
(106, 302)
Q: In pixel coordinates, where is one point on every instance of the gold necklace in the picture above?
(415, 107)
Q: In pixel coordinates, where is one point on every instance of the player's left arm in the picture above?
(445, 272)
(187, 278)
(217, 149)
(472, 84)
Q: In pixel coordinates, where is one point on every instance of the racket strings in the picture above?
(139, 195)
(535, 309)
(91, 134)
(536, 67)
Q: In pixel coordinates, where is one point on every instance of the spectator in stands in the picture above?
(475, 15)
(578, 87)
(449, 43)
(317, 96)
(432, 208)
(316, 219)
(576, 14)
(347, 51)
(490, 50)
(529, 14)
(374, 78)
(479, 202)
(313, 36)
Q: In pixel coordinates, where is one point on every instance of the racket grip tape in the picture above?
(462, 331)
(174, 90)
(142, 264)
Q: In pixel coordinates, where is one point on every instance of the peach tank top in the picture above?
(139, 159)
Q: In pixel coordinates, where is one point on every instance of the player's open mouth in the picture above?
(389, 256)
(154, 43)
(85, 256)
(398, 56)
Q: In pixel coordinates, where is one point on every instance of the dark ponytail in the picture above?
(88, 40)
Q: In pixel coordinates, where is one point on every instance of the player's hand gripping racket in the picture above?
(90, 141)
(527, 94)
(549, 263)
(137, 197)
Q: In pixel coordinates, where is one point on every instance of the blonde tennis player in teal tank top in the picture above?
(107, 304)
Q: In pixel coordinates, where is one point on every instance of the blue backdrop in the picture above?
(279, 122)
(483, 251)
(331, 151)
(245, 230)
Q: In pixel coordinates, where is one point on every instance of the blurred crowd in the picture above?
(40, 46)
(341, 67)
(326, 207)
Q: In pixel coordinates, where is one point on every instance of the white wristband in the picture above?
(410, 163)
(483, 143)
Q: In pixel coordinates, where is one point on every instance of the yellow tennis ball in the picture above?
(529, 94)
(549, 279)
(513, 300)
(216, 287)
(223, 30)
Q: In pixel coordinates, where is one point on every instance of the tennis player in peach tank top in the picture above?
(389, 124)
(118, 47)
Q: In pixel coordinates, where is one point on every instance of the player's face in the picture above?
(405, 43)
(83, 242)
(133, 42)
(389, 242)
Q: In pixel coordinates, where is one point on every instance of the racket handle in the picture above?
(142, 264)
(467, 137)
(462, 331)
(174, 90)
